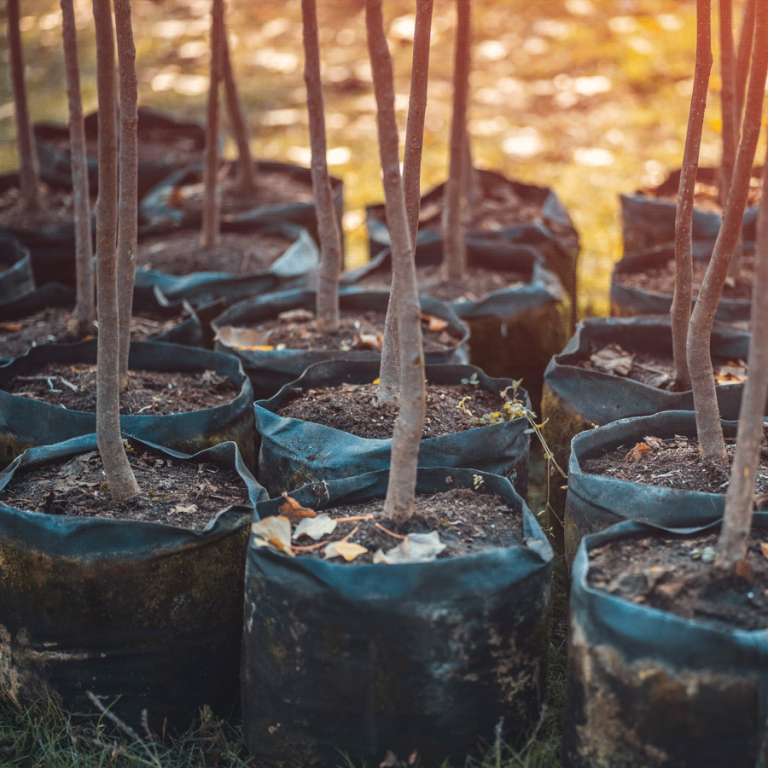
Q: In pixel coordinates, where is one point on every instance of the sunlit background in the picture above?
(589, 97)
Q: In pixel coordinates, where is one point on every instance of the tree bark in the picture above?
(84, 314)
(389, 378)
(410, 421)
(246, 175)
(711, 443)
(730, 130)
(680, 312)
(454, 247)
(209, 236)
(327, 295)
(120, 479)
(29, 167)
(128, 177)
(732, 543)
(743, 56)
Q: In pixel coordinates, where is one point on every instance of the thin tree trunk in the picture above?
(29, 167)
(710, 433)
(209, 236)
(732, 543)
(246, 175)
(120, 479)
(743, 56)
(327, 296)
(128, 176)
(680, 312)
(84, 313)
(454, 247)
(410, 421)
(389, 377)
(472, 192)
(730, 130)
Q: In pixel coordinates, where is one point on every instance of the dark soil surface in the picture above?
(662, 280)
(466, 521)
(180, 253)
(350, 408)
(272, 188)
(706, 197)
(653, 370)
(50, 326)
(679, 576)
(296, 329)
(57, 208)
(151, 392)
(478, 283)
(671, 463)
(172, 492)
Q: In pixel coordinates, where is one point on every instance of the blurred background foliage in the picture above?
(589, 97)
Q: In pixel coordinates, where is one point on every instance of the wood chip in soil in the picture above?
(648, 368)
(358, 330)
(237, 253)
(172, 492)
(467, 522)
(350, 408)
(678, 575)
(670, 463)
(151, 392)
(662, 280)
(477, 283)
(57, 207)
(49, 326)
(272, 188)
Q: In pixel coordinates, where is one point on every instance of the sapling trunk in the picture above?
(209, 236)
(680, 312)
(389, 377)
(83, 316)
(246, 175)
(327, 295)
(128, 176)
(120, 479)
(410, 421)
(454, 246)
(732, 543)
(710, 433)
(730, 131)
(743, 55)
(29, 167)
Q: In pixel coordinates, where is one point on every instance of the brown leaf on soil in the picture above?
(742, 570)
(242, 338)
(653, 442)
(764, 549)
(434, 323)
(639, 450)
(9, 326)
(732, 373)
(292, 509)
(369, 341)
(613, 359)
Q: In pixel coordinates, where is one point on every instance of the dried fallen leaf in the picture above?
(742, 569)
(242, 338)
(416, 548)
(639, 450)
(613, 359)
(732, 373)
(434, 323)
(315, 527)
(273, 532)
(346, 549)
(9, 326)
(368, 341)
(764, 549)
(292, 509)
(653, 442)
(187, 509)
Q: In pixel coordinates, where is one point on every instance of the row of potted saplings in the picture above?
(410, 653)
(668, 655)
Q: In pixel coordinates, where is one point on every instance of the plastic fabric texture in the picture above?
(295, 452)
(145, 615)
(428, 657)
